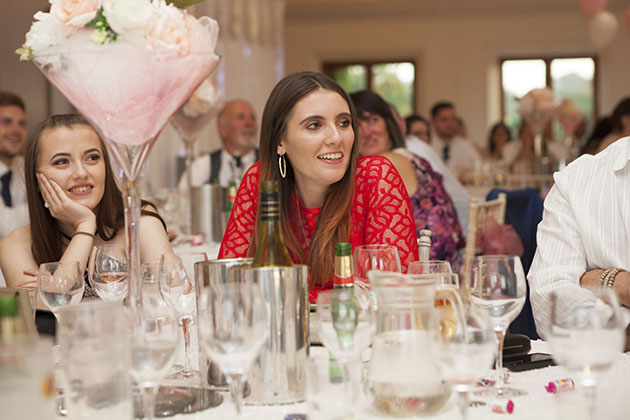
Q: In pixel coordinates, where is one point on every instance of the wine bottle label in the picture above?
(343, 271)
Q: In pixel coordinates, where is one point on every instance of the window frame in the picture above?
(328, 67)
(548, 80)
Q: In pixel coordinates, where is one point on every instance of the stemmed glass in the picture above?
(154, 339)
(497, 287)
(108, 271)
(60, 284)
(331, 334)
(466, 354)
(586, 335)
(374, 257)
(429, 267)
(177, 285)
(232, 321)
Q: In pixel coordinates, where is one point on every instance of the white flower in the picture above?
(126, 15)
(202, 100)
(46, 38)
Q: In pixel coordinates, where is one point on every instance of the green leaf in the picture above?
(182, 4)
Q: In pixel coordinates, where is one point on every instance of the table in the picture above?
(613, 402)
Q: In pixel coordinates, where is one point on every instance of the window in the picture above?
(394, 81)
(568, 77)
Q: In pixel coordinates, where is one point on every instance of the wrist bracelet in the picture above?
(610, 279)
(78, 232)
(602, 278)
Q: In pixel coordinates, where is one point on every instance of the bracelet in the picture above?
(78, 232)
(602, 278)
(610, 279)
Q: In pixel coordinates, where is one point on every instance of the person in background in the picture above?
(433, 208)
(418, 126)
(459, 154)
(402, 123)
(501, 146)
(238, 131)
(620, 122)
(327, 194)
(13, 208)
(602, 128)
(419, 146)
(73, 203)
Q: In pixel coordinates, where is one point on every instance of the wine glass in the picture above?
(154, 339)
(586, 335)
(232, 322)
(345, 322)
(374, 257)
(60, 284)
(108, 271)
(177, 285)
(429, 267)
(466, 354)
(497, 287)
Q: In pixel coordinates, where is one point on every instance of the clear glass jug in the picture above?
(403, 380)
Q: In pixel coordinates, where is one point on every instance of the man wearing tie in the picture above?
(238, 131)
(458, 153)
(13, 208)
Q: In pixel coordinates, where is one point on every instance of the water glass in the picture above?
(374, 257)
(429, 267)
(333, 395)
(586, 335)
(94, 343)
(232, 321)
(108, 271)
(60, 284)
(26, 380)
(497, 287)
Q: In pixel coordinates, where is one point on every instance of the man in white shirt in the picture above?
(13, 208)
(585, 230)
(459, 154)
(238, 131)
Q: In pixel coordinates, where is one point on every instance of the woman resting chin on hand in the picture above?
(74, 203)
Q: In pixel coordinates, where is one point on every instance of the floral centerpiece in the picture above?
(127, 66)
(537, 107)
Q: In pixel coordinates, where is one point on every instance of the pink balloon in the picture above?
(591, 7)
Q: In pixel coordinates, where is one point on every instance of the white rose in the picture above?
(46, 38)
(126, 15)
(202, 100)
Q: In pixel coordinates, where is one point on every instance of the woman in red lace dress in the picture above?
(327, 194)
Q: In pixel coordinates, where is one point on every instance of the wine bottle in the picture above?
(424, 245)
(231, 197)
(12, 326)
(271, 250)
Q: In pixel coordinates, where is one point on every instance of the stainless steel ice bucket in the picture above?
(207, 205)
(278, 375)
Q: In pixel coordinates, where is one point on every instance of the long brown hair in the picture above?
(46, 237)
(334, 219)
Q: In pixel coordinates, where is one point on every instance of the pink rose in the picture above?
(204, 33)
(168, 29)
(74, 12)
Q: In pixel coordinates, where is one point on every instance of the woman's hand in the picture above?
(63, 208)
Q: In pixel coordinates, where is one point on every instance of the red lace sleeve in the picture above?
(240, 227)
(383, 199)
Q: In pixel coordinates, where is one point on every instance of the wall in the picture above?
(457, 56)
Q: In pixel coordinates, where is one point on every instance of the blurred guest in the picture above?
(584, 236)
(600, 131)
(327, 194)
(432, 207)
(418, 126)
(501, 146)
(459, 154)
(73, 203)
(13, 209)
(402, 123)
(238, 131)
(525, 160)
(620, 122)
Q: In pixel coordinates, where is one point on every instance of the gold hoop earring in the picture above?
(282, 165)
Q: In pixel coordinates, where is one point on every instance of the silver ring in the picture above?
(46, 205)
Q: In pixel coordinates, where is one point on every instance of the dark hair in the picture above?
(367, 102)
(109, 217)
(493, 131)
(621, 110)
(440, 106)
(413, 118)
(8, 99)
(334, 220)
